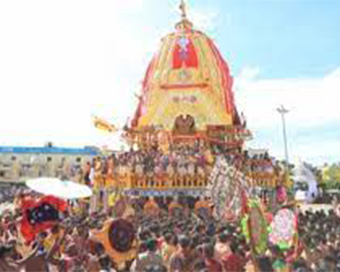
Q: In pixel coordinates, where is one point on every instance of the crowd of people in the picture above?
(163, 241)
(189, 164)
(166, 242)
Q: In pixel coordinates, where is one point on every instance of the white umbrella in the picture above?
(59, 188)
(6, 207)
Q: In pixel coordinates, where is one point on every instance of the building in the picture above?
(18, 163)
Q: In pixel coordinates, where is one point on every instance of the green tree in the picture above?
(331, 174)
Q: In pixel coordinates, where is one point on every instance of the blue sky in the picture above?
(292, 38)
(70, 60)
(286, 38)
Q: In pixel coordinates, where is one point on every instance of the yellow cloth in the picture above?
(50, 240)
(151, 207)
(166, 252)
(209, 157)
(98, 178)
(201, 204)
(113, 198)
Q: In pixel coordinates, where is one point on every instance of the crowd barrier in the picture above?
(315, 207)
(184, 181)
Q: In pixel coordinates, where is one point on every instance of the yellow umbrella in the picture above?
(119, 240)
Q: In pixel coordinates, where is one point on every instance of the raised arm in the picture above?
(32, 254)
(57, 243)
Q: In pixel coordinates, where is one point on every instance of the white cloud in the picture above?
(313, 103)
(204, 20)
(247, 74)
(62, 62)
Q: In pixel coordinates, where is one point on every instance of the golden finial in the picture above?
(182, 7)
(184, 23)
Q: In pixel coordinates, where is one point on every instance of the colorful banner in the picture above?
(258, 228)
(40, 215)
(103, 125)
(226, 188)
(284, 228)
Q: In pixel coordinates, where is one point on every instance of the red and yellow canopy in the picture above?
(187, 76)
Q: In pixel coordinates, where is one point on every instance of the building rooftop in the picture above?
(49, 150)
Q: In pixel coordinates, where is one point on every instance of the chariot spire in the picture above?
(184, 23)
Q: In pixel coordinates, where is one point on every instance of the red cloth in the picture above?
(269, 217)
(213, 266)
(184, 55)
(281, 194)
(245, 207)
(294, 253)
(233, 263)
(160, 243)
(141, 104)
(28, 230)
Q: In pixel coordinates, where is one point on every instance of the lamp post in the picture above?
(282, 111)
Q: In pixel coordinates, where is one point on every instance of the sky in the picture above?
(62, 62)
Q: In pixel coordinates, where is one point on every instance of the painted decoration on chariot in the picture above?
(184, 125)
(187, 76)
(184, 54)
(284, 228)
(226, 188)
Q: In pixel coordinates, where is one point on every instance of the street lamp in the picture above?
(282, 111)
